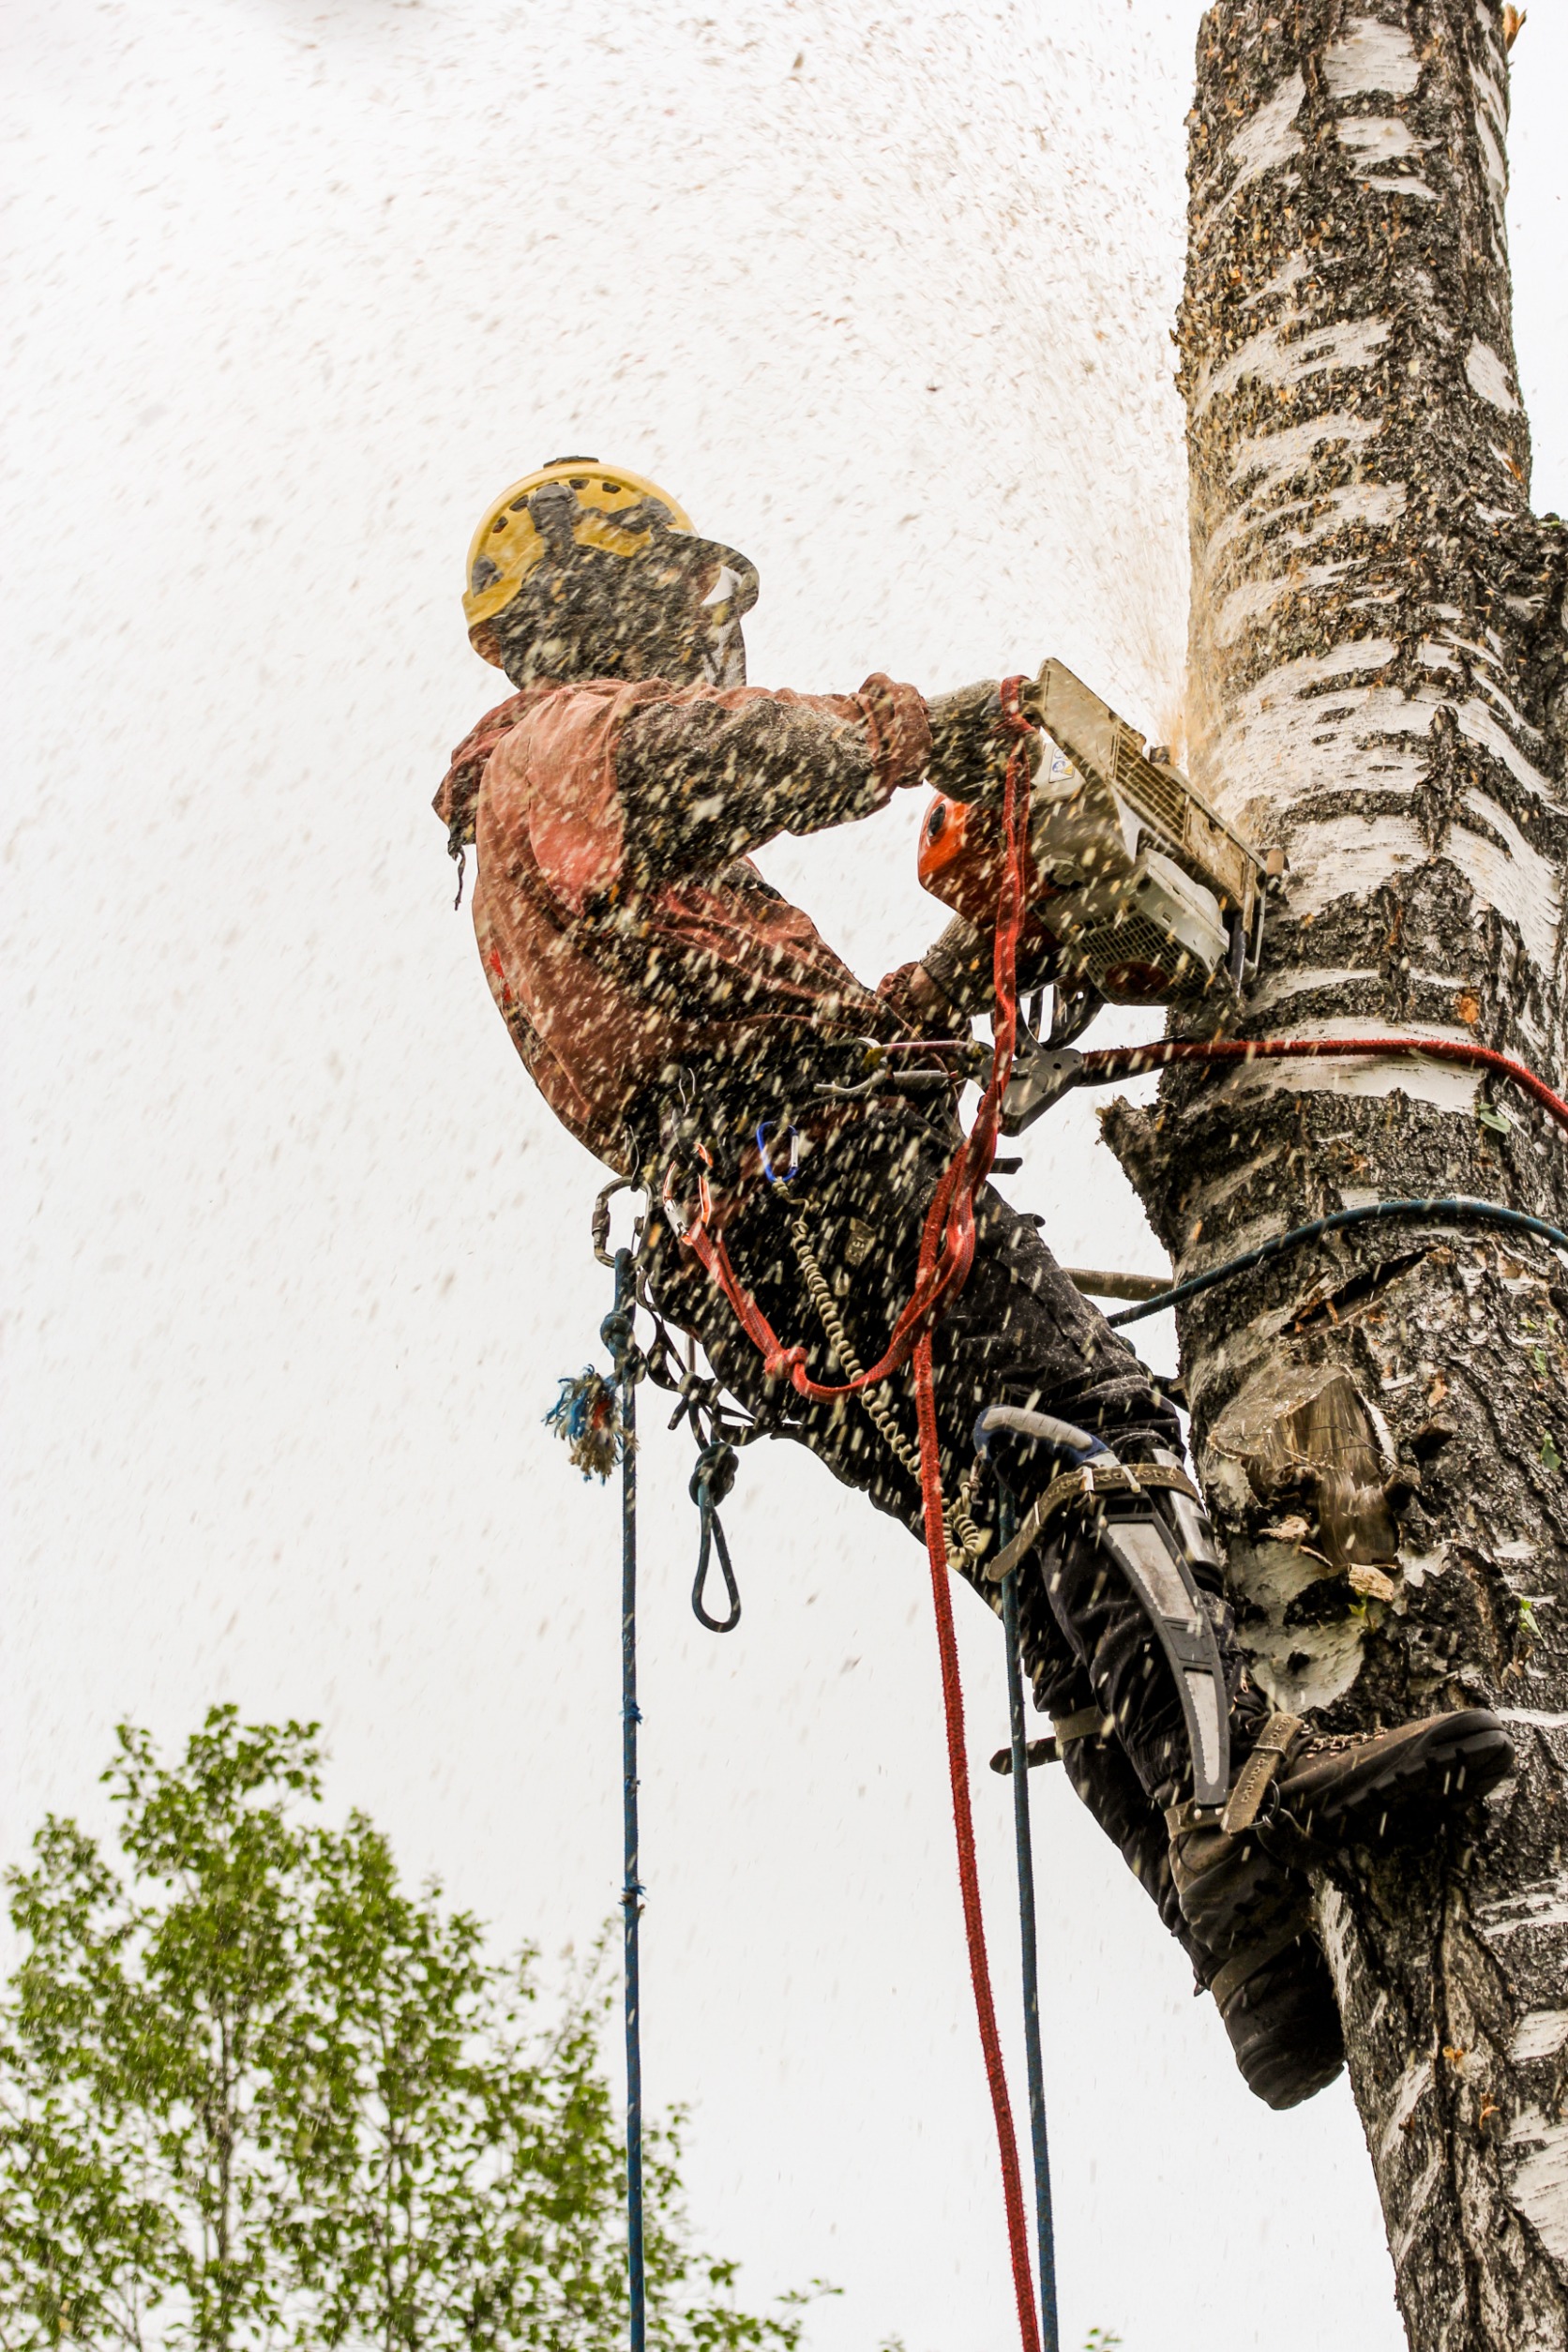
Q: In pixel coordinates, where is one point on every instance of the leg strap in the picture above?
(1088, 1723)
(1280, 1738)
(1076, 1486)
(1154, 1560)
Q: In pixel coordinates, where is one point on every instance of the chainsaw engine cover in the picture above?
(1104, 905)
(1137, 888)
(960, 864)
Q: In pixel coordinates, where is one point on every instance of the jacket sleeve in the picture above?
(704, 776)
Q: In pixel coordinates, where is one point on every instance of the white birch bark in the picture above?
(1377, 684)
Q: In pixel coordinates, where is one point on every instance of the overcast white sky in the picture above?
(295, 1257)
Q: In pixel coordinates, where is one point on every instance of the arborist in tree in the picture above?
(693, 1030)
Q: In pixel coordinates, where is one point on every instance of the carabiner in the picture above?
(704, 1197)
(710, 1481)
(774, 1176)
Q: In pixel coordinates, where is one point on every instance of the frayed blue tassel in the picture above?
(587, 1416)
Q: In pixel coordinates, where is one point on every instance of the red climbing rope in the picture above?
(969, 1169)
(1106, 1064)
(963, 1825)
(946, 1253)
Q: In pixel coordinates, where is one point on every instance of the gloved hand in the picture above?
(960, 964)
(970, 754)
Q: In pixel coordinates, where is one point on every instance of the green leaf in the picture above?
(1550, 1459)
(245, 2072)
(1491, 1117)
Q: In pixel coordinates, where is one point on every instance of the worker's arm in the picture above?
(706, 777)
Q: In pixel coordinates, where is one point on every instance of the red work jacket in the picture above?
(609, 983)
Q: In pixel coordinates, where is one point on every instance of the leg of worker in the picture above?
(1022, 1336)
(1019, 1332)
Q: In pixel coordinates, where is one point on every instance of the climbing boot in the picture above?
(1242, 1880)
(1276, 1999)
(1300, 1795)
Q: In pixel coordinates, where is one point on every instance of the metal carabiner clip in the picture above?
(704, 1197)
(776, 1176)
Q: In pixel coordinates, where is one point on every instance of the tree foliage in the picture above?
(254, 2092)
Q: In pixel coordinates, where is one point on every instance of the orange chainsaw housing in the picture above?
(960, 864)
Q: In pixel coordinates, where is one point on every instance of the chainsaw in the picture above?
(1140, 893)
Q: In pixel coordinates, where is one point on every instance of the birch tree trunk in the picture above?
(1377, 685)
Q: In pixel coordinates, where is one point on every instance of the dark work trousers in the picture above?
(1017, 1333)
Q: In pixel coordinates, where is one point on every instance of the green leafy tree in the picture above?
(253, 2093)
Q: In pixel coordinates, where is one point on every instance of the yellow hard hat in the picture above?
(508, 546)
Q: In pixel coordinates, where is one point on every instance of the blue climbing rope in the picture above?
(1044, 2229)
(1457, 1209)
(616, 1333)
(593, 1421)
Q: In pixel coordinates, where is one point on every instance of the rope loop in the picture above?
(710, 1481)
(1013, 719)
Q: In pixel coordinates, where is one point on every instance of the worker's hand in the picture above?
(969, 751)
(957, 970)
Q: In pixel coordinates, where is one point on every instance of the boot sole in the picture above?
(1255, 1888)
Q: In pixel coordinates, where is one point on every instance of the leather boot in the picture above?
(1299, 1797)
(1275, 1997)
